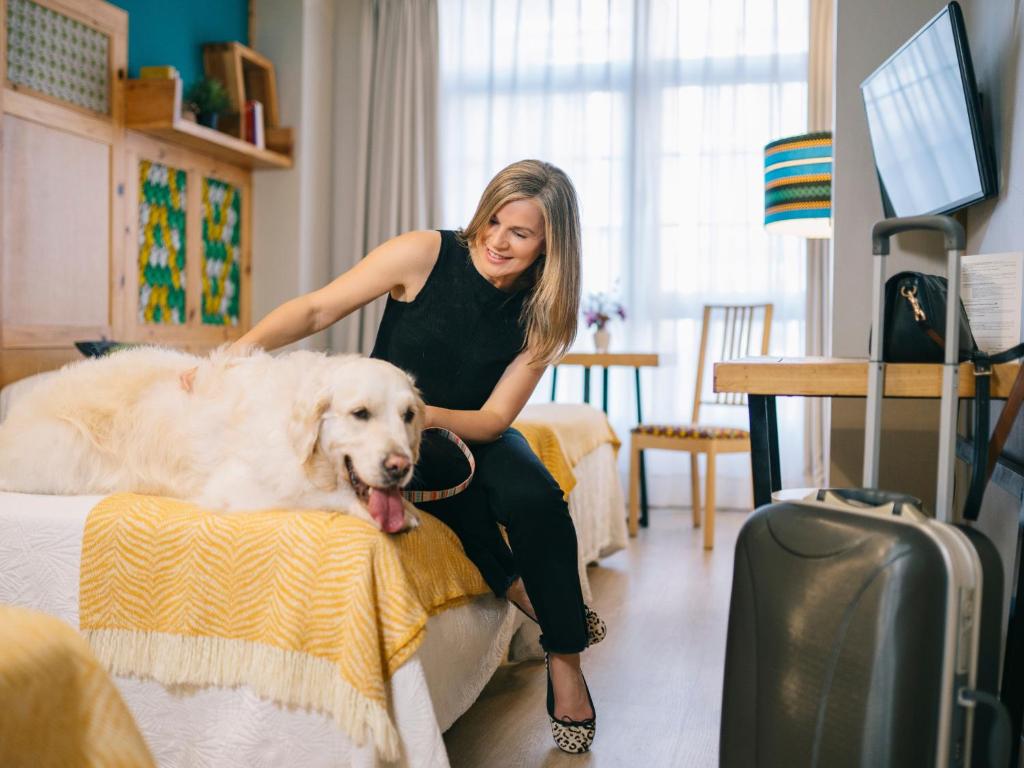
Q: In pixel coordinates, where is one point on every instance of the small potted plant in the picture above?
(207, 97)
(598, 311)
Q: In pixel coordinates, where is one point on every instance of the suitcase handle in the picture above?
(955, 244)
(873, 498)
(999, 739)
(956, 239)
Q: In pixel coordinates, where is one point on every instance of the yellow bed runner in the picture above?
(58, 706)
(562, 434)
(308, 608)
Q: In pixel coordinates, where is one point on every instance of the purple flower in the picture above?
(599, 308)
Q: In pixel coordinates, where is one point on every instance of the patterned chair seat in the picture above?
(692, 431)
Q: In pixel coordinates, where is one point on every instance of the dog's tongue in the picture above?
(386, 508)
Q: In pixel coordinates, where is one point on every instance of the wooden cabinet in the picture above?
(187, 277)
(62, 64)
(118, 218)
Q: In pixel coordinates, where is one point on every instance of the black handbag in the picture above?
(915, 320)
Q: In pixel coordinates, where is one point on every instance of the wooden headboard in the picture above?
(109, 229)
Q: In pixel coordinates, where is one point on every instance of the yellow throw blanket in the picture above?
(58, 706)
(308, 608)
(562, 434)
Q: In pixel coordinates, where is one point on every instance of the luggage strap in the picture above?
(986, 450)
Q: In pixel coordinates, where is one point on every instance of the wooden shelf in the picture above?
(153, 107)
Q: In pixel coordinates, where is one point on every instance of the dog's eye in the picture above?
(408, 416)
(362, 414)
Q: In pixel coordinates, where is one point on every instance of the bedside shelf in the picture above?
(154, 107)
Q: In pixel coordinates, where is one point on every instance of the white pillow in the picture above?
(10, 393)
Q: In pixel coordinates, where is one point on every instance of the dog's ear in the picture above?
(304, 426)
(420, 408)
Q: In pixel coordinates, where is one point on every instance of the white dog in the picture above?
(301, 430)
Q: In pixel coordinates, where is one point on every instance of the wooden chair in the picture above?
(738, 331)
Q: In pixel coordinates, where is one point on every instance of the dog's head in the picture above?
(359, 428)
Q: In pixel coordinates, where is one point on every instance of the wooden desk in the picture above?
(762, 379)
(605, 360)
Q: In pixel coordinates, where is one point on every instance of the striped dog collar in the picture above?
(417, 497)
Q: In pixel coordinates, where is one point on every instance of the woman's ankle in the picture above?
(570, 660)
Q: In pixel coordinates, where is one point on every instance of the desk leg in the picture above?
(764, 447)
(643, 468)
(554, 381)
(586, 384)
(604, 389)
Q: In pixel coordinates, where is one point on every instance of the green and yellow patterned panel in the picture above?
(161, 244)
(222, 222)
(56, 55)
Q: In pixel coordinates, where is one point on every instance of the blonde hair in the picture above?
(551, 311)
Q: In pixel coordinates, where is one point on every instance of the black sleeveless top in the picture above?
(457, 336)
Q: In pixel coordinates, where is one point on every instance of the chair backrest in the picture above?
(729, 331)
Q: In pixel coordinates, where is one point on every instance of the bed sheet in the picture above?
(40, 547)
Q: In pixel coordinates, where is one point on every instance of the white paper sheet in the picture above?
(991, 287)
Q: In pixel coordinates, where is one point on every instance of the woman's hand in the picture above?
(187, 378)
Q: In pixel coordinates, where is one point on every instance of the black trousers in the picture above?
(514, 489)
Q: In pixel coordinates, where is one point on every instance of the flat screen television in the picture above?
(924, 118)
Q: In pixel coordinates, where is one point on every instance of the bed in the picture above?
(40, 553)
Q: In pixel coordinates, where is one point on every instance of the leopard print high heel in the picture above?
(573, 736)
(597, 630)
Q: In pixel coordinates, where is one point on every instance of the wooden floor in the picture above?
(657, 678)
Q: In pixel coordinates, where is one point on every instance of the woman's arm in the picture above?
(503, 406)
(399, 263)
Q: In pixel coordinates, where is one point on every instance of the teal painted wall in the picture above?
(161, 32)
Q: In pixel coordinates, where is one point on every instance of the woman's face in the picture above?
(511, 243)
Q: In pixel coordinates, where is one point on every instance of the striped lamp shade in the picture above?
(798, 185)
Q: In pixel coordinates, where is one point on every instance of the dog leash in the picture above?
(417, 497)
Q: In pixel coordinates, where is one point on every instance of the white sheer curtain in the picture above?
(659, 111)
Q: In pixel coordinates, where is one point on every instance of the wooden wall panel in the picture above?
(60, 196)
(56, 238)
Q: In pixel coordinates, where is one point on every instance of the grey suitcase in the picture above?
(856, 622)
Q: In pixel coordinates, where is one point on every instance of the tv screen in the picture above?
(924, 120)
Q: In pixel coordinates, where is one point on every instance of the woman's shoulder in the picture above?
(418, 252)
(420, 244)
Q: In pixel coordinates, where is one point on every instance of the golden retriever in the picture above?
(300, 430)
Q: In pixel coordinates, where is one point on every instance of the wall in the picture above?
(303, 218)
(994, 30)
(173, 33)
(909, 452)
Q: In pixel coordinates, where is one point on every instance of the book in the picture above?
(253, 129)
(159, 73)
(991, 288)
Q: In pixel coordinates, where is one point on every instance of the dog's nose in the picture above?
(396, 465)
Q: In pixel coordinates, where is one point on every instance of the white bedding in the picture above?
(40, 548)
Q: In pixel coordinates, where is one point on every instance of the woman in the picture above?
(476, 316)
